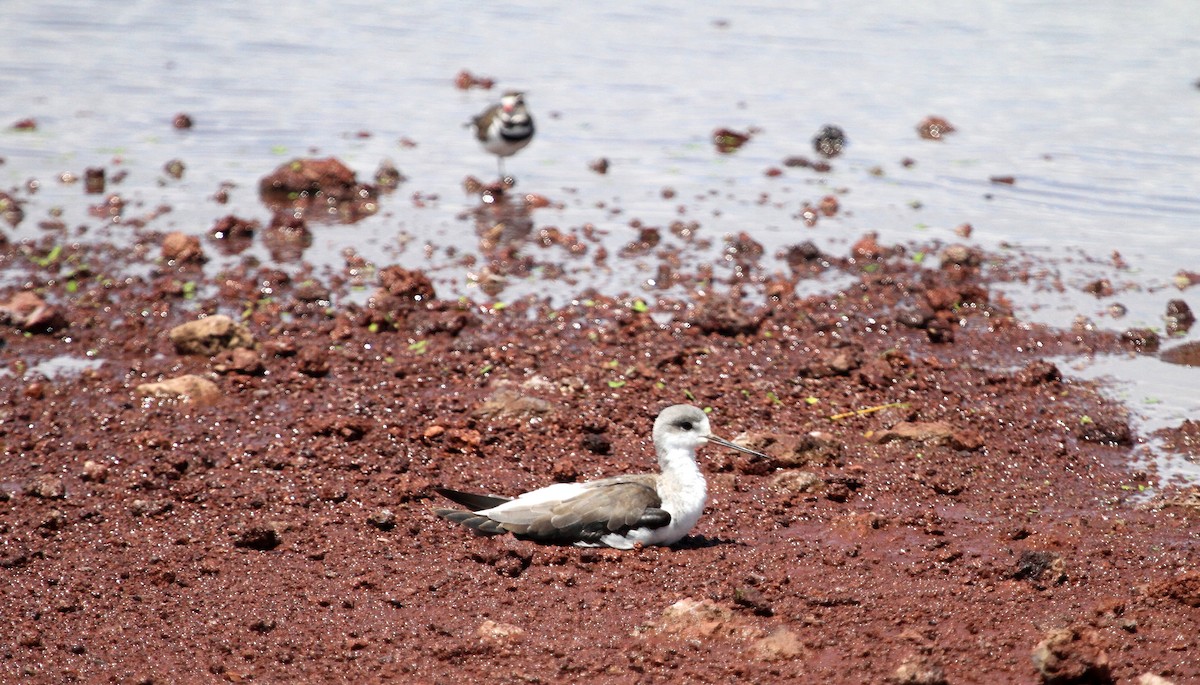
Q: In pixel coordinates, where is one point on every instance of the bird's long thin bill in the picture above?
(725, 443)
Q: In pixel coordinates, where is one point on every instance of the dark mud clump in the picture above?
(727, 140)
(829, 141)
(934, 128)
(326, 187)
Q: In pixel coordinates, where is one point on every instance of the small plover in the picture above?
(504, 128)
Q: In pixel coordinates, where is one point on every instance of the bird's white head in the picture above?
(681, 428)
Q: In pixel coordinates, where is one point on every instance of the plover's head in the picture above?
(512, 101)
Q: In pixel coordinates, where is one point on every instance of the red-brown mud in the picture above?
(249, 499)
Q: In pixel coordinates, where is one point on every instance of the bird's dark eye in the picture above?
(686, 425)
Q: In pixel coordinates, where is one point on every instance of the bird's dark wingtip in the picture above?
(470, 500)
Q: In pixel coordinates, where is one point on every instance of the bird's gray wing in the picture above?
(610, 505)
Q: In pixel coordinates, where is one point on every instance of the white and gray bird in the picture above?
(504, 128)
(620, 511)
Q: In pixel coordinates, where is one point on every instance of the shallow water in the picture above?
(1093, 111)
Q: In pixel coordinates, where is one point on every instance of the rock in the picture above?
(940, 330)
(795, 482)
(753, 599)
(727, 140)
(94, 471)
(838, 492)
(919, 670)
(934, 128)
(10, 210)
(47, 486)
(1071, 655)
(260, 537)
(210, 335)
(508, 403)
(175, 168)
(464, 440)
(1184, 589)
(348, 428)
(497, 633)
(1032, 565)
(309, 176)
(790, 451)
(692, 618)
(35, 390)
(1106, 430)
(387, 176)
(1183, 279)
(933, 432)
(829, 141)
(239, 360)
(56, 519)
(312, 291)
(508, 556)
(1189, 499)
(742, 248)
(597, 443)
(181, 248)
(1179, 317)
(725, 315)
(803, 254)
(1143, 340)
(32, 314)
(1187, 354)
(150, 507)
(564, 470)
(1039, 373)
(383, 519)
(782, 643)
(406, 284)
(961, 255)
(1152, 679)
(188, 388)
(867, 248)
(1100, 287)
(287, 236)
(826, 363)
(233, 234)
(320, 184)
(313, 361)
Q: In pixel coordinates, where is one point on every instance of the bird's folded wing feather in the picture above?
(583, 511)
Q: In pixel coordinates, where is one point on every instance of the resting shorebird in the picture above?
(621, 511)
(504, 128)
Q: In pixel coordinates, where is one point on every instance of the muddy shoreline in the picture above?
(942, 504)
